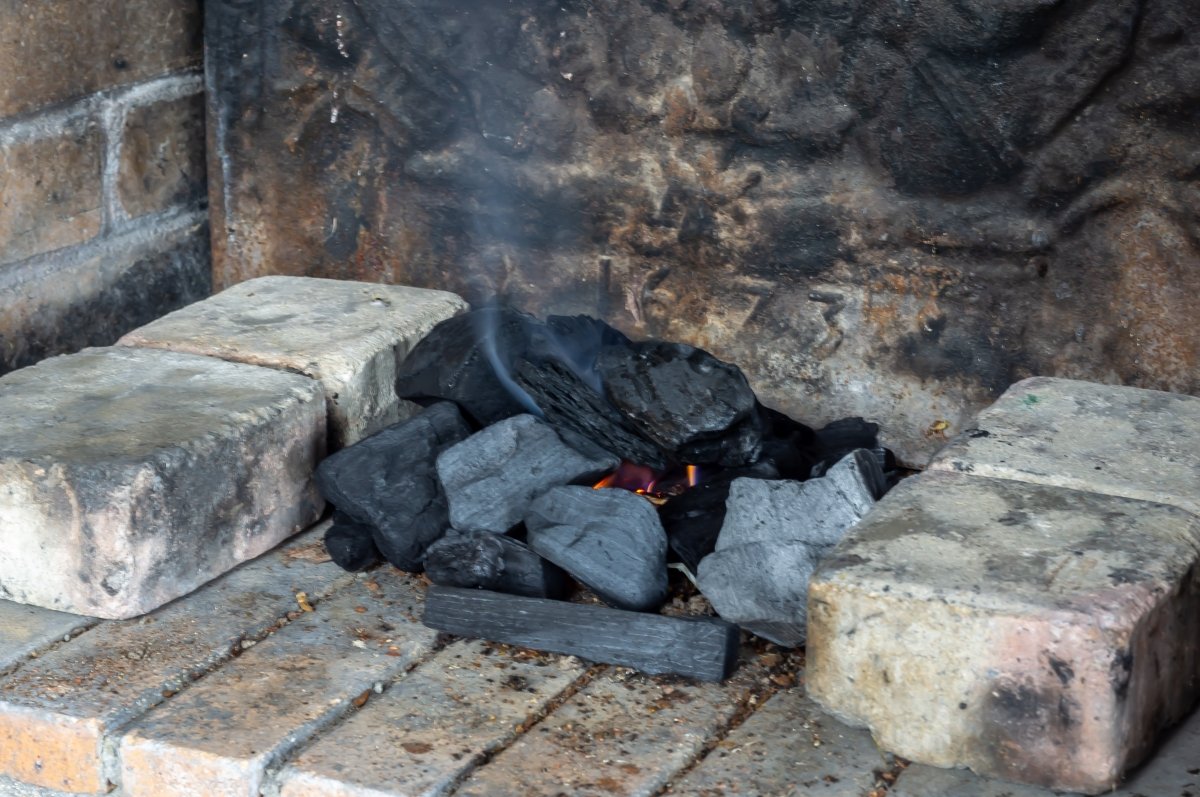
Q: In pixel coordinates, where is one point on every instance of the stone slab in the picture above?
(1115, 440)
(1033, 633)
(24, 630)
(623, 734)
(788, 747)
(62, 713)
(346, 335)
(129, 477)
(219, 737)
(436, 724)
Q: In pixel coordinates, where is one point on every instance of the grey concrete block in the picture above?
(129, 477)
(1105, 439)
(346, 335)
(1029, 632)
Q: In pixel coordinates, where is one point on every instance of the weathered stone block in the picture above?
(346, 335)
(49, 188)
(130, 477)
(63, 49)
(162, 156)
(1115, 440)
(1028, 632)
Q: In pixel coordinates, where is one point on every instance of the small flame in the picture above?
(693, 475)
(635, 478)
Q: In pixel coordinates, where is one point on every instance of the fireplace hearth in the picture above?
(560, 451)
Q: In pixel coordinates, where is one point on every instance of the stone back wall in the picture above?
(877, 207)
(103, 220)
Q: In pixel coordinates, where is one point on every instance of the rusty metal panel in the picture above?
(874, 208)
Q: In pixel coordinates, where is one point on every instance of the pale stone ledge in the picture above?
(347, 335)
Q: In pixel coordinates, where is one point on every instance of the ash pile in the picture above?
(560, 471)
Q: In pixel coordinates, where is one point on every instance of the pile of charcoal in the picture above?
(561, 453)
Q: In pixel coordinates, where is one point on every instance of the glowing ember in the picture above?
(657, 486)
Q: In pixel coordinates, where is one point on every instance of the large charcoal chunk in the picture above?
(467, 359)
(492, 477)
(696, 647)
(774, 535)
(484, 560)
(389, 482)
(611, 540)
(817, 512)
(685, 400)
(574, 407)
(763, 587)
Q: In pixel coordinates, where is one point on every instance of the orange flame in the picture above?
(693, 475)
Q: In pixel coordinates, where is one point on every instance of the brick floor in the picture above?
(236, 690)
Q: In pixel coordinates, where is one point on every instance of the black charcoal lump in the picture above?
(685, 400)
(492, 477)
(351, 545)
(774, 535)
(484, 560)
(694, 647)
(610, 539)
(387, 483)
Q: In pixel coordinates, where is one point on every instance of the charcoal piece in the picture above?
(691, 404)
(693, 519)
(818, 512)
(389, 481)
(763, 587)
(570, 404)
(838, 438)
(492, 477)
(467, 359)
(704, 648)
(788, 444)
(774, 535)
(480, 559)
(611, 540)
(575, 341)
(351, 545)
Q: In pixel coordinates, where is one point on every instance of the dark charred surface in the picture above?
(877, 209)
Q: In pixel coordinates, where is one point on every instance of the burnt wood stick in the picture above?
(697, 647)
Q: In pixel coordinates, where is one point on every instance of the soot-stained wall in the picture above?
(884, 207)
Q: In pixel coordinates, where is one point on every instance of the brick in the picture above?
(1032, 633)
(1115, 440)
(622, 734)
(98, 292)
(129, 477)
(49, 189)
(25, 630)
(219, 737)
(60, 712)
(162, 156)
(347, 335)
(63, 49)
(788, 746)
(436, 724)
